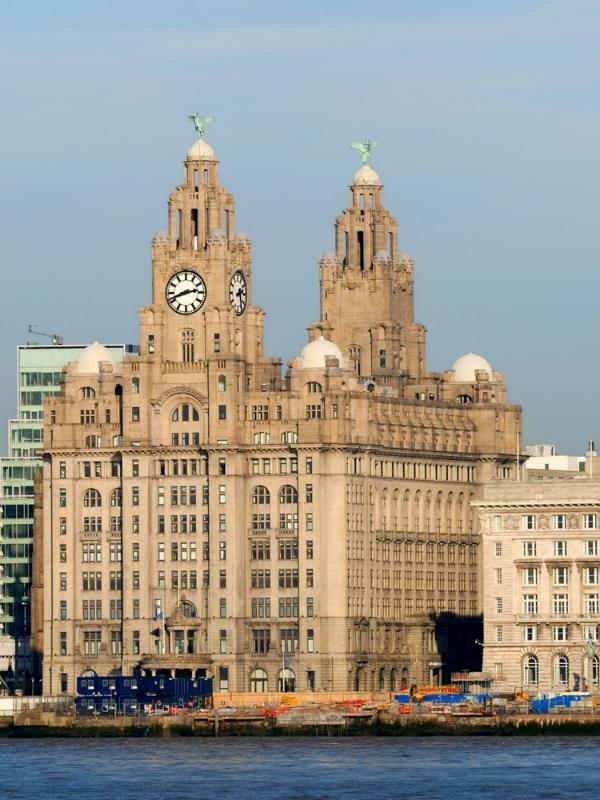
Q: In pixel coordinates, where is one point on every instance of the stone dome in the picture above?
(200, 151)
(466, 366)
(88, 361)
(366, 176)
(314, 354)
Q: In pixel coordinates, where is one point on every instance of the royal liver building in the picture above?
(206, 513)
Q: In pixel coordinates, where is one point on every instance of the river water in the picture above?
(300, 768)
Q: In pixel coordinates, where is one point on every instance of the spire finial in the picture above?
(200, 123)
(365, 149)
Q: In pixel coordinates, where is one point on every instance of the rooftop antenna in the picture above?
(54, 337)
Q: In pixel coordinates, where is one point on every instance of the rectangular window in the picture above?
(559, 522)
(223, 641)
(135, 580)
(590, 547)
(261, 607)
(560, 576)
(135, 551)
(135, 495)
(135, 413)
(560, 548)
(309, 549)
(589, 633)
(260, 578)
(498, 574)
(261, 641)
(528, 522)
(530, 576)
(288, 607)
(529, 549)
(530, 604)
(310, 578)
(310, 607)
(559, 633)
(288, 641)
(498, 548)
(590, 522)
(560, 604)
(135, 643)
(309, 493)
(530, 633)
(222, 607)
(287, 549)
(590, 603)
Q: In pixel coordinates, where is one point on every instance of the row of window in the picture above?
(559, 633)
(279, 466)
(530, 576)
(560, 548)
(260, 550)
(430, 581)
(287, 606)
(287, 578)
(559, 604)
(530, 522)
(560, 670)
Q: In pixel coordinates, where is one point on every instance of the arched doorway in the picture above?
(258, 680)
(287, 680)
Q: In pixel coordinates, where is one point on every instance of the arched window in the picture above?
(314, 387)
(286, 680)
(596, 671)
(258, 680)
(289, 437)
(288, 494)
(187, 609)
(393, 679)
(261, 496)
(187, 344)
(561, 670)
(135, 386)
(222, 383)
(382, 679)
(93, 441)
(91, 498)
(262, 438)
(116, 498)
(87, 391)
(531, 672)
(185, 413)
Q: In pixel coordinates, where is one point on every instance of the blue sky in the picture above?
(488, 124)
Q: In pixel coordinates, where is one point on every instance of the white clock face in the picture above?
(238, 292)
(185, 291)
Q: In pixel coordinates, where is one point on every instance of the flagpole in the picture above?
(164, 635)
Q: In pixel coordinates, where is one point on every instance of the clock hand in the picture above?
(185, 291)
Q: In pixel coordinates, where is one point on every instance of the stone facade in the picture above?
(203, 512)
(541, 592)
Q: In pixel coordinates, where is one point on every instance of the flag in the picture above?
(158, 616)
(286, 661)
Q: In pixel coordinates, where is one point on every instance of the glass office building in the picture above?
(39, 369)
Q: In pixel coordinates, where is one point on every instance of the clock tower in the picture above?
(201, 318)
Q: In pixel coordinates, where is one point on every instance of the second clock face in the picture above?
(238, 292)
(185, 291)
